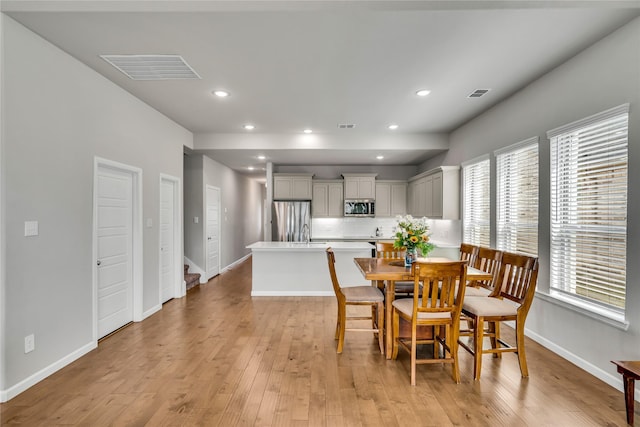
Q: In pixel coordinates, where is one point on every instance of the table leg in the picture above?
(388, 309)
(629, 384)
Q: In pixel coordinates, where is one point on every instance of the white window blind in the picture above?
(517, 198)
(476, 203)
(589, 208)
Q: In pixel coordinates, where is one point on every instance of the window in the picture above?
(517, 198)
(476, 202)
(589, 208)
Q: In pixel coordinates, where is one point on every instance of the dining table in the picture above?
(391, 270)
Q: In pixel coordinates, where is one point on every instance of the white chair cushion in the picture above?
(362, 294)
(470, 291)
(405, 306)
(483, 306)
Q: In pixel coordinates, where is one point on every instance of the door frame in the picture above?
(206, 220)
(136, 234)
(179, 288)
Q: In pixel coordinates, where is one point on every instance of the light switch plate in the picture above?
(30, 228)
(196, 220)
(149, 222)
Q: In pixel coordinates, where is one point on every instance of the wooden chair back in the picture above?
(487, 260)
(468, 253)
(331, 260)
(386, 250)
(440, 290)
(517, 279)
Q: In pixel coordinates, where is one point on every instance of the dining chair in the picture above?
(468, 253)
(386, 250)
(487, 260)
(439, 306)
(356, 296)
(510, 301)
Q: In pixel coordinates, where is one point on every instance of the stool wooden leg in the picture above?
(629, 384)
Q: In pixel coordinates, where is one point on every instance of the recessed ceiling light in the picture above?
(261, 157)
(423, 92)
(393, 127)
(307, 131)
(249, 127)
(221, 93)
(251, 168)
(379, 157)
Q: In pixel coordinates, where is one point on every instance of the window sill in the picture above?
(593, 311)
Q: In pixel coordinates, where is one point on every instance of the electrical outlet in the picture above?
(29, 343)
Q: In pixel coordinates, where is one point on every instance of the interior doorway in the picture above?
(117, 246)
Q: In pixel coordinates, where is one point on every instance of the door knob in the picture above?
(99, 262)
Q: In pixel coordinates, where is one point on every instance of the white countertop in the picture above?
(438, 244)
(303, 246)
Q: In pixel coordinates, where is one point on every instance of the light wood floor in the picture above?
(220, 357)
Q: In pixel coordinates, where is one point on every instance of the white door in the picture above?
(114, 249)
(167, 240)
(213, 231)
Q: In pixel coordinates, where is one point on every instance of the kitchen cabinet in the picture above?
(327, 199)
(435, 193)
(391, 198)
(292, 186)
(359, 186)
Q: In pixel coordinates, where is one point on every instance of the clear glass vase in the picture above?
(410, 256)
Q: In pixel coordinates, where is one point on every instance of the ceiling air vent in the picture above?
(152, 67)
(478, 93)
(346, 125)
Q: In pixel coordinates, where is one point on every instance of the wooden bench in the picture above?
(630, 371)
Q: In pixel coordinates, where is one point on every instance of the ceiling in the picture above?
(291, 65)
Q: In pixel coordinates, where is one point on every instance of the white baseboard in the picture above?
(151, 311)
(233, 264)
(10, 393)
(612, 380)
(292, 294)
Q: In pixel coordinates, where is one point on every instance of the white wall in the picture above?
(57, 116)
(603, 76)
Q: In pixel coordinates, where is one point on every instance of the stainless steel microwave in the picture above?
(359, 207)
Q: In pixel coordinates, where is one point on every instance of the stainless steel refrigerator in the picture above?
(291, 221)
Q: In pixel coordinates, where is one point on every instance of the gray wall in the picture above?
(194, 207)
(57, 116)
(241, 201)
(335, 172)
(603, 76)
(241, 210)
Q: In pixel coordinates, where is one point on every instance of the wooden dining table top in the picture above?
(394, 269)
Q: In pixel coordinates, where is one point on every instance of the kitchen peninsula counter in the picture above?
(300, 269)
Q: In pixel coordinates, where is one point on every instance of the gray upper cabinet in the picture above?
(436, 193)
(292, 186)
(327, 199)
(391, 198)
(359, 186)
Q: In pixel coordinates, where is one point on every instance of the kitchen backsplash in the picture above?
(441, 231)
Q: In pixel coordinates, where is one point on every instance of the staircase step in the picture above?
(192, 280)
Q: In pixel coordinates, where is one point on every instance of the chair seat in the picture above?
(405, 306)
(362, 294)
(489, 307)
(476, 292)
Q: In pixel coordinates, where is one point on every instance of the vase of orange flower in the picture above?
(411, 234)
